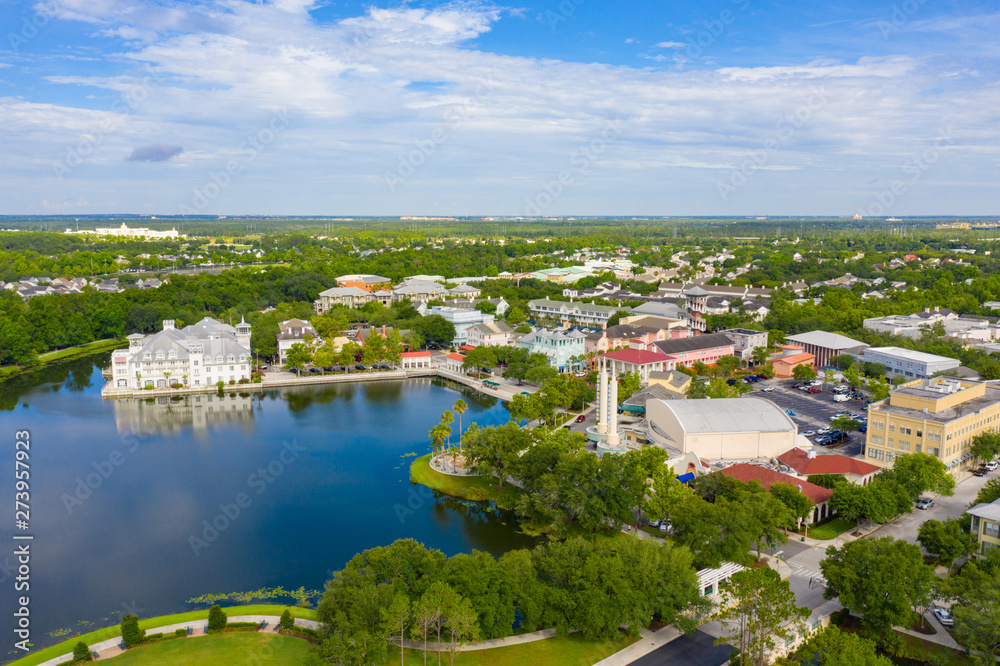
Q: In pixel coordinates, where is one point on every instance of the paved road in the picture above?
(694, 650)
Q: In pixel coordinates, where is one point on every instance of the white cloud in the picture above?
(671, 45)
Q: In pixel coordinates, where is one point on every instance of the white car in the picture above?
(991, 465)
(767, 389)
(943, 616)
(807, 433)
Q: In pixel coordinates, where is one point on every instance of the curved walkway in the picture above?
(434, 646)
(109, 648)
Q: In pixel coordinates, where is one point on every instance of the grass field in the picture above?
(479, 488)
(61, 355)
(572, 650)
(220, 650)
(829, 530)
(150, 623)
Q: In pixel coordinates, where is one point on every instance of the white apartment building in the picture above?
(908, 363)
(352, 297)
(201, 354)
(496, 334)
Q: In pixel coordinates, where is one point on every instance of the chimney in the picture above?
(168, 324)
(810, 454)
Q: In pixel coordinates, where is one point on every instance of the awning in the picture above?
(686, 478)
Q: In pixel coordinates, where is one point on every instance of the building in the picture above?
(818, 495)
(674, 381)
(721, 429)
(500, 304)
(495, 333)
(700, 348)
(791, 357)
(352, 297)
(418, 291)
(461, 319)
(824, 345)
(370, 283)
(291, 332)
(745, 341)
(986, 527)
(201, 354)
(908, 363)
(454, 362)
(565, 349)
(136, 232)
(571, 312)
(622, 335)
(464, 291)
(806, 463)
(939, 416)
(415, 360)
(636, 403)
(640, 361)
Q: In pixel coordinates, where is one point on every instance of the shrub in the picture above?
(220, 384)
(244, 380)
(216, 618)
(81, 652)
(180, 632)
(153, 637)
(286, 622)
(176, 385)
(302, 632)
(147, 387)
(242, 626)
(232, 382)
(131, 633)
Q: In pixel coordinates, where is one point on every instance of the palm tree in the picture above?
(460, 407)
(446, 420)
(438, 435)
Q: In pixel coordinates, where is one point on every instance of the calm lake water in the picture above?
(121, 491)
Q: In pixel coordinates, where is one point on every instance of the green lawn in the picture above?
(88, 348)
(572, 650)
(829, 530)
(479, 488)
(219, 650)
(153, 622)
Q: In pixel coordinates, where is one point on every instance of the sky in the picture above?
(540, 108)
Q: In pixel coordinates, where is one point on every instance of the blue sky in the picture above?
(567, 107)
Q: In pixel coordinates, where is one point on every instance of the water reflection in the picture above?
(199, 412)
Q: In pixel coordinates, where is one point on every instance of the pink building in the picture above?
(704, 348)
(622, 335)
(640, 361)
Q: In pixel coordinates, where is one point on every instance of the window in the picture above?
(991, 529)
(876, 454)
(892, 427)
(892, 442)
(904, 446)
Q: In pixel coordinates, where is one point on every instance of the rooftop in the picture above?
(746, 472)
(799, 460)
(730, 415)
(989, 511)
(826, 340)
(911, 355)
(635, 356)
(945, 415)
(694, 343)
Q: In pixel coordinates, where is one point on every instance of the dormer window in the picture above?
(159, 356)
(146, 356)
(171, 354)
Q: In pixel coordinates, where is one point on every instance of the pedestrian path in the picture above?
(648, 642)
(434, 646)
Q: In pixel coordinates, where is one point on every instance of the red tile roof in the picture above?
(746, 473)
(795, 358)
(799, 460)
(636, 356)
(415, 354)
(466, 348)
(456, 357)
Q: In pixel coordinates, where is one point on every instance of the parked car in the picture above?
(767, 389)
(808, 433)
(943, 616)
(581, 418)
(991, 465)
(925, 503)
(359, 367)
(980, 471)
(813, 389)
(823, 440)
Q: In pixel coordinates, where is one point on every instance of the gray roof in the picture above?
(492, 328)
(826, 340)
(694, 343)
(989, 511)
(571, 334)
(654, 392)
(730, 415)
(574, 305)
(343, 291)
(669, 310)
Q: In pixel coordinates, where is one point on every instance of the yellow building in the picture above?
(939, 416)
(986, 527)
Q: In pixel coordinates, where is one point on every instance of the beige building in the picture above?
(674, 381)
(721, 429)
(939, 416)
(352, 297)
(986, 527)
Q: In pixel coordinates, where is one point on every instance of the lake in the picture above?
(138, 505)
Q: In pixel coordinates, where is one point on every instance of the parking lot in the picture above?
(812, 410)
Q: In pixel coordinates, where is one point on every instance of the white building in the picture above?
(908, 363)
(461, 319)
(352, 297)
(291, 332)
(201, 354)
(136, 232)
(496, 334)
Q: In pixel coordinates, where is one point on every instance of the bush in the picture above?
(286, 622)
(220, 384)
(242, 626)
(302, 632)
(216, 618)
(147, 387)
(81, 652)
(180, 632)
(232, 382)
(153, 637)
(176, 385)
(244, 380)
(131, 633)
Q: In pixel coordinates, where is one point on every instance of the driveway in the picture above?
(694, 650)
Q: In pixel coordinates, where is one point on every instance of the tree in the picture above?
(616, 318)
(874, 369)
(325, 356)
(286, 621)
(436, 329)
(299, 355)
(393, 347)
(396, 617)
(439, 434)
(700, 368)
(976, 608)
(845, 424)
(803, 372)
(81, 652)
(491, 450)
(460, 408)
(425, 615)
(440, 598)
(878, 388)
(374, 349)
(216, 618)
(799, 506)
(759, 355)
(985, 445)
(515, 316)
(666, 495)
(629, 383)
(760, 610)
(349, 353)
(447, 418)
(132, 635)
(841, 361)
(882, 580)
(988, 493)
(946, 539)
(727, 364)
(463, 626)
(833, 647)
(922, 472)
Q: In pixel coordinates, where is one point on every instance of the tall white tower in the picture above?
(613, 411)
(602, 399)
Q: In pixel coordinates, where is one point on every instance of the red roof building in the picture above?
(640, 361)
(807, 463)
(784, 366)
(766, 477)
(415, 360)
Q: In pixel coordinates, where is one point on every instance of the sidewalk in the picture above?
(434, 646)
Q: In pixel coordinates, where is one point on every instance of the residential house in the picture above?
(674, 381)
(294, 331)
(461, 319)
(352, 297)
(565, 349)
(586, 314)
(621, 335)
(807, 463)
(819, 495)
(745, 341)
(419, 291)
(495, 333)
(985, 527)
(371, 283)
